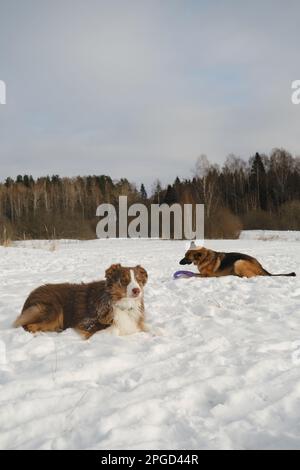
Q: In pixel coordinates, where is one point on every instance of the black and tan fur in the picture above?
(215, 264)
(87, 308)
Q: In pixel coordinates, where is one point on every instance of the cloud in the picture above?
(139, 89)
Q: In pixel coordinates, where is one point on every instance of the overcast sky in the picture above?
(140, 88)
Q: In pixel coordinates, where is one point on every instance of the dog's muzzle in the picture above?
(185, 261)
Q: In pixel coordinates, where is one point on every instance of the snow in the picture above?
(267, 235)
(224, 372)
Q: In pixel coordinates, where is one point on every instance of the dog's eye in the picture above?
(141, 276)
(124, 280)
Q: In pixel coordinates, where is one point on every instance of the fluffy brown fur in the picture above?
(87, 308)
(215, 264)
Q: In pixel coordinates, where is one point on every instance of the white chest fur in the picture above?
(127, 315)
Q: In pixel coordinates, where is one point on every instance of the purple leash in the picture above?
(184, 274)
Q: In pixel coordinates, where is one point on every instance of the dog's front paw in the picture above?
(111, 330)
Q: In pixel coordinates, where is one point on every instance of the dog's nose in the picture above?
(185, 261)
(136, 291)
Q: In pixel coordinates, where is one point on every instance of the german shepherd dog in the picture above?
(116, 303)
(215, 264)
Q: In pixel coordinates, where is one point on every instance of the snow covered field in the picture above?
(270, 235)
(225, 373)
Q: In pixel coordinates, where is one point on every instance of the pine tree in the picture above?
(143, 192)
(258, 181)
(55, 179)
(170, 197)
(9, 182)
(26, 181)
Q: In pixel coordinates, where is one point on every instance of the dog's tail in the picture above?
(289, 274)
(276, 275)
(30, 315)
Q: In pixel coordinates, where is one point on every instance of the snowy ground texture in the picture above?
(224, 374)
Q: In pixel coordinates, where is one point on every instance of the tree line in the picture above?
(262, 193)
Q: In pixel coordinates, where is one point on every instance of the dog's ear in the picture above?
(141, 274)
(113, 272)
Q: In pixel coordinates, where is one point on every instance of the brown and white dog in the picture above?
(115, 304)
(215, 264)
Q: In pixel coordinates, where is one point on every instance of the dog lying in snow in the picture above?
(214, 264)
(115, 304)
